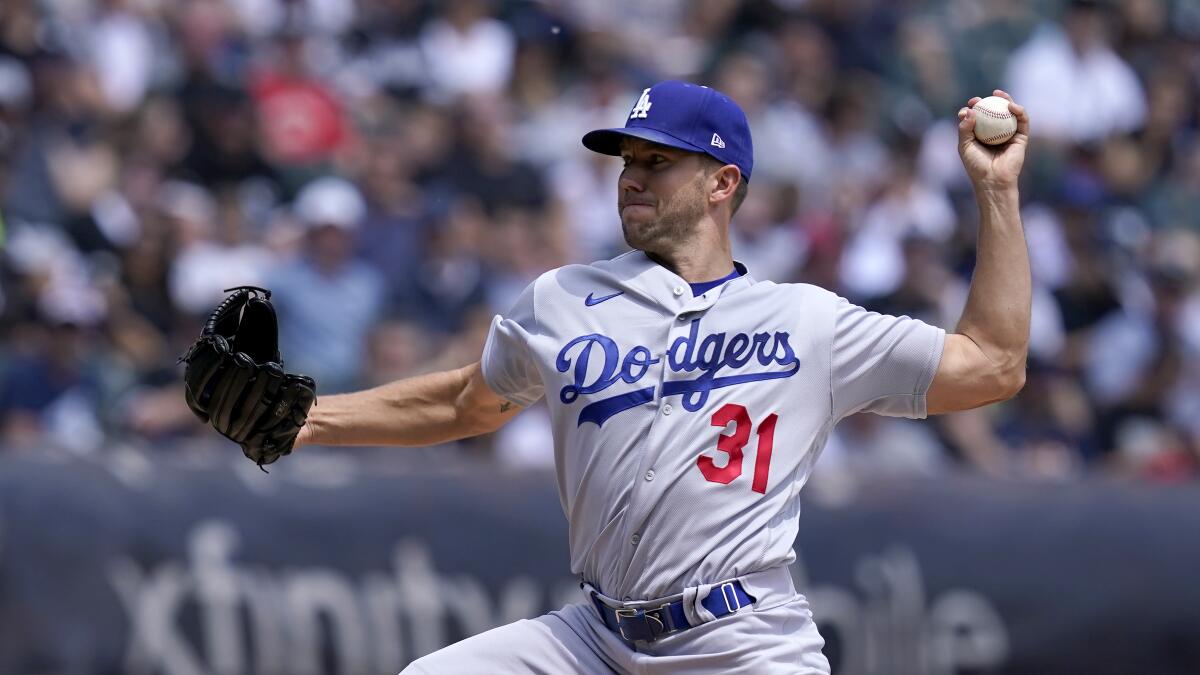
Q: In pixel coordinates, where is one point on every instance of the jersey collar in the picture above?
(705, 286)
(639, 274)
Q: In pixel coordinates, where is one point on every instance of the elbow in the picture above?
(1012, 383)
(999, 386)
(1010, 378)
(1001, 380)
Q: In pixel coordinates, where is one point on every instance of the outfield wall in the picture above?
(127, 566)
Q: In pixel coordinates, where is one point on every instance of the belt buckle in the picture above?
(626, 613)
(728, 591)
(639, 630)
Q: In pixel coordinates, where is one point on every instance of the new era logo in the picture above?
(717, 142)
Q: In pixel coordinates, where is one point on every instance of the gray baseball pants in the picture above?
(775, 636)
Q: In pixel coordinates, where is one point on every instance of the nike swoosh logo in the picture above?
(591, 302)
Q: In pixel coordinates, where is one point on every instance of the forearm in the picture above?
(996, 316)
(415, 411)
(984, 361)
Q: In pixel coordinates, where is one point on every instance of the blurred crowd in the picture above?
(397, 170)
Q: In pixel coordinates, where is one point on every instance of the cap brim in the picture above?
(608, 141)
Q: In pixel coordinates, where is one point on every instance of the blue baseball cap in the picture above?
(685, 116)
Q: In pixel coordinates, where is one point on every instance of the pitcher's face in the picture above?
(660, 194)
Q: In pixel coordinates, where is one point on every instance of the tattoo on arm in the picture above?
(505, 407)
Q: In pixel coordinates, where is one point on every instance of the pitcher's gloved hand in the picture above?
(235, 380)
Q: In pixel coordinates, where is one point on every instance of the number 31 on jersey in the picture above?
(734, 442)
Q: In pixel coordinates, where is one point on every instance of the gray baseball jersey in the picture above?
(684, 427)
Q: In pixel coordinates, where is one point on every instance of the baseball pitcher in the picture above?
(689, 403)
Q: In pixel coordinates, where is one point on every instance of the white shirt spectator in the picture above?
(873, 445)
(873, 261)
(790, 145)
(525, 442)
(265, 17)
(648, 30)
(550, 134)
(1050, 256)
(1057, 85)
(122, 52)
(1047, 334)
(773, 254)
(584, 187)
(16, 84)
(204, 265)
(477, 60)
(201, 272)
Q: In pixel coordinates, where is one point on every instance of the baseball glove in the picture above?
(235, 381)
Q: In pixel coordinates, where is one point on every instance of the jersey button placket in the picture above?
(644, 495)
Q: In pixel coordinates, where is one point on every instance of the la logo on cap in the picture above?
(641, 107)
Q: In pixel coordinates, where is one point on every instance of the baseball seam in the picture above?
(993, 114)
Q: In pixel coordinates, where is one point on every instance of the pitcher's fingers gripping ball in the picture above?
(235, 380)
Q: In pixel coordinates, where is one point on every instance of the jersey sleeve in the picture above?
(880, 363)
(508, 363)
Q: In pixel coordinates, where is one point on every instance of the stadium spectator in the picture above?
(395, 170)
(1066, 67)
(327, 300)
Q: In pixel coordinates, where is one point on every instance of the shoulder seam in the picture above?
(533, 289)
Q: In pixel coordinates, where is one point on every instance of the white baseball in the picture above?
(994, 123)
